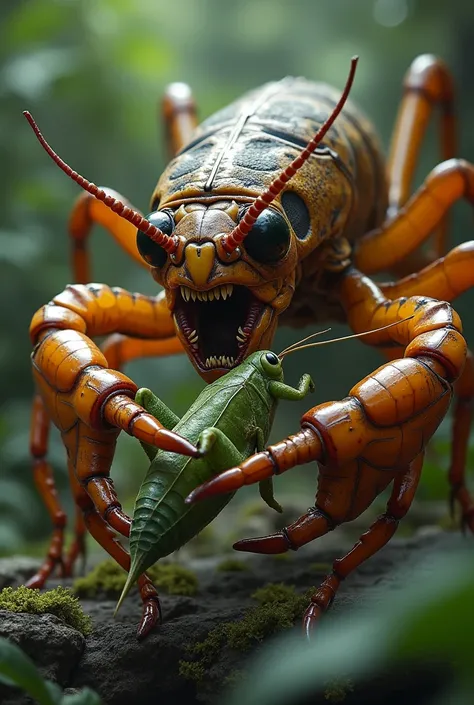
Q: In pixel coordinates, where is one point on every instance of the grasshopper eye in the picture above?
(272, 359)
(271, 364)
(151, 252)
(269, 239)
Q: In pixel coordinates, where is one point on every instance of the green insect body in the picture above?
(230, 419)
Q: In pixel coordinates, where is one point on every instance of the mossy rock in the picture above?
(109, 578)
(60, 602)
(279, 607)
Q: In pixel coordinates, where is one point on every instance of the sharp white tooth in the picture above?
(210, 295)
(198, 295)
(203, 295)
(193, 337)
(230, 289)
(193, 295)
(224, 292)
(183, 292)
(206, 364)
(217, 292)
(239, 330)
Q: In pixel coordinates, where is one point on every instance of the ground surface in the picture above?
(124, 671)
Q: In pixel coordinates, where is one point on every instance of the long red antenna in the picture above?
(169, 244)
(232, 240)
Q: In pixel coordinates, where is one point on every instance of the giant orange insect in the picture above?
(248, 230)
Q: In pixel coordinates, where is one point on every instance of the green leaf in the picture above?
(85, 697)
(17, 669)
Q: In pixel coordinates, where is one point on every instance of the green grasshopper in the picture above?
(230, 420)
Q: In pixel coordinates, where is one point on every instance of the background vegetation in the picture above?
(91, 72)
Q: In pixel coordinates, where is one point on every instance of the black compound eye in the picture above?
(269, 239)
(272, 359)
(151, 252)
(297, 213)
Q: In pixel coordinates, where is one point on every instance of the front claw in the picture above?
(256, 468)
(124, 413)
(271, 544)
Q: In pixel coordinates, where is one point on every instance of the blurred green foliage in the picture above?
(91, 72)
(16, 669)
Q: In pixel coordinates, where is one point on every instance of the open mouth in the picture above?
(217, 323)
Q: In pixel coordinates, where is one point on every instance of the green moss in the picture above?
(276, 593)
(279, 607)
(109, 578)
(60, 602)
(337, 689)
(106, 577)
(231, 565)
(192, 670)
(174, 579)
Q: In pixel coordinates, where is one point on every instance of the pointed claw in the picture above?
(310, 619)
(124, 413)
(256, 468)
(227, 481)
(150, 617)
(168, 440)
(274, 543)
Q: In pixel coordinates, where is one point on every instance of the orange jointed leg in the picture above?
(428, 84)
(382, 248)
(78, 547)
(179, 114)
(72, 373)
(105, 537)
(362, 442)
(120, 349)
(381, 531)
(86, 212)
(88, 402)
(44, 481)
(445, 279)
(462, 420)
